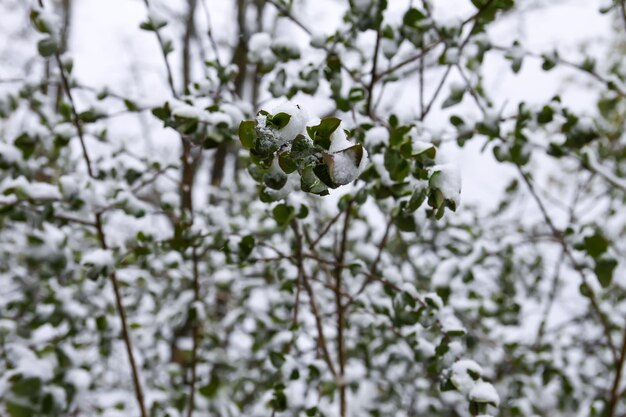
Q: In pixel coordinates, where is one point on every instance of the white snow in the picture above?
(338, 140)
(9, 153)
(66, 130)
(484, 392)
(344, 168)
(297, 122)
(460, 377)
(449, 322)
(187, 111)
(33, 190)
(609, 176)
(418, 147)
(259, 49)
(378, 135)
(43, 191)
(99, 257)
(389, 47)
(448, 181)
(286, 43)
(452, 56)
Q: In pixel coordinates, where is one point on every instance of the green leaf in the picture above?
(604, 270)
(412, 17)
(168, 47)
(152, 26)
(277, 359)
(301, 148)
(279, 120)
(310, 183)
(322, 172)
(210, 390)
(596, 244)
(47, 47)
(246, 245)
(405, 222)
(162, 113)
(26, 387)
(275, 179)
(546, 115)
(26, 144)
(88, 116)
(131, 105)
(455, 97)
(549, 61)
(322, 132)
(283, 214)
(417, 198)
(311, 412)
(286, 163)
(247, 133)
(17, 410)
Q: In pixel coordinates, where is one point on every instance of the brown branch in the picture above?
(102, 238)
(325, 231)
(322, 343)
(577, 266)
(612, 406)
(373, 78)
(341, 348)
(170, 78)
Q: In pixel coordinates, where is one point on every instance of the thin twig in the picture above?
(102, 238)
(373, 77)
(321, 338)
(579, 268)
(341, 348)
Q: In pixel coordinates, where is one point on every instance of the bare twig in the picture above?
(321, 338)
(577, 266)
(341, 348)
(102, 237)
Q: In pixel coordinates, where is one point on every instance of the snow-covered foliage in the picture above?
(274, 226)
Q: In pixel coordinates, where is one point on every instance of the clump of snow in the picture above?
(186, 111)
(389, 47)
(448, 181)
(434, 299)
(484, 392)
(33, 190)
(79, 378)
(363, 5)
(378, 135)
(452, 56)
(99, 258)
(297, 122)
(234, 112)
(457, 87)
(450, 323)
(65, 130)
(418, 147)
(339, 140)
(9, 153)
(259, 47)
(344, 167)
(43, 191)
(462, 377)
(287, 44)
